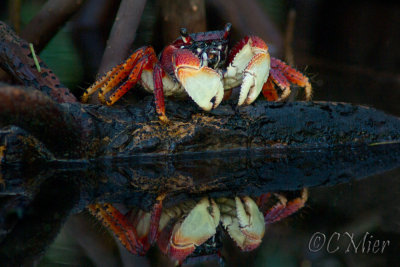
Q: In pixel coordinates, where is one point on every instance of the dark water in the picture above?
(352, 196)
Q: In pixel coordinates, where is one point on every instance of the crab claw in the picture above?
(255, 75)
(202, 84)
(246, 225)
(250, 65)
(199, 225)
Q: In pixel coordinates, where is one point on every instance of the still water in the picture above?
(349, 218)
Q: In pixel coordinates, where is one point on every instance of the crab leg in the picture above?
(202, 84)
(124, 88)
(136, 230)
(113, 77)
(269, 90)
(145, 60)
(283, 74)
(283, 208)
(158, 73)
(119, 225)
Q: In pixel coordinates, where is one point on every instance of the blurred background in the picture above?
(349, 49)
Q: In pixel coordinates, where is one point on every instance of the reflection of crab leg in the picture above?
(135, 230)
(202, 84)
(283, 75)
(243, 221)
(249, 65)
(119, 225)
(283, 208)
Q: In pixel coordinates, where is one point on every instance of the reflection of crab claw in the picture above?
(247, 227)
(254, 77)
(199, 225)
(202, 84)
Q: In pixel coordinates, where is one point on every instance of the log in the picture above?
(74, 130)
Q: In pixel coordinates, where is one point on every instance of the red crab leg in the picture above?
(284, 208)
(283, 74)
(124, 226)
(158, 73)
(145, 62)
(113, 77)
(155, 218)
(119, 225)
(269, 91)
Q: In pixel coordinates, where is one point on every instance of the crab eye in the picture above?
(185, 35)
(228, 27)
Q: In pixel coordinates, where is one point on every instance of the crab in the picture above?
(191, 228)
(201, 66)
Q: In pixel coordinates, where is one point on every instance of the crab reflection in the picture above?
(194, 228)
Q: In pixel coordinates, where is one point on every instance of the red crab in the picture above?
(190, 228)
(202, 66)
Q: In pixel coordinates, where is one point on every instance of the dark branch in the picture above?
(176, 14)
(122, 34)
(46, 23)
(16, 59)
(248, 18)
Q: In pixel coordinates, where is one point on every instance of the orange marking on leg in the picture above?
(292, 75)
(286, 208)
(159, 92)
(145, 62)
(128, 84)
(113, 219)
(99, 83)
(155, 218)
(279, 79)
(269, 90)
(116, 74)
